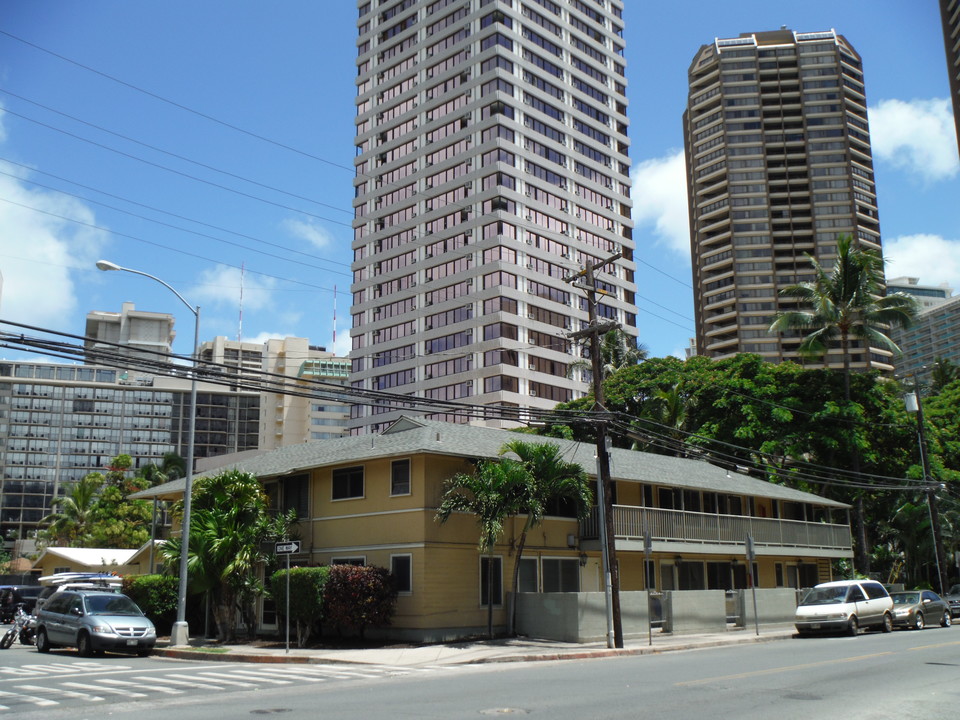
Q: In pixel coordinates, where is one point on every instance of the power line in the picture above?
(175, 104)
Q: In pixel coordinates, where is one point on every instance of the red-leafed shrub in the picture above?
(357, 597)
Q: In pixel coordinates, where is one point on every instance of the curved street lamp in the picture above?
(180, 634)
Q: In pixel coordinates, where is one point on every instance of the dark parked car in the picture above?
(92, 621)
(953, 599)
(916, 609)
(13, 595)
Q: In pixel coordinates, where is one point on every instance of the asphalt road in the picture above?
(879, 676)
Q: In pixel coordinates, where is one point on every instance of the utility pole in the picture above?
(608, 536)
(933, 507)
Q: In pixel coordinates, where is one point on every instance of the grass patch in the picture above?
(214, 650)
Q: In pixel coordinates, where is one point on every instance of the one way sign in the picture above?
(287, 547)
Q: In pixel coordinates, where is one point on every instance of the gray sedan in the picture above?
(916, 608)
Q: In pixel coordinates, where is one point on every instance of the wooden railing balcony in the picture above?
(630, 523)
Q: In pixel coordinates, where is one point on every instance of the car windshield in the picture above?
(955, 590)
(111, 605)
(825, 596)
(905, 598)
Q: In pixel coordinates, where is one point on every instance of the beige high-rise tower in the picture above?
(491, 165)
(778, 165)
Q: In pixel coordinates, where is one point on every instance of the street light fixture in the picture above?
(180, 634)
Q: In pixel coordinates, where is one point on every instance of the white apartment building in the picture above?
(491, 165)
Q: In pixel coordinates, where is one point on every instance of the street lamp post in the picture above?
(180, 634)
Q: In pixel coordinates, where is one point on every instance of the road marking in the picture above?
(185, 680)
(295, 675)
(935, 645)
(42, 702)
(772, 671)
(101, 688)
(248, 675)
(66, 693)
(153, 686)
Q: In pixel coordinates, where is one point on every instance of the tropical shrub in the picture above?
(356, 597)
(157, 597)
(306, 597)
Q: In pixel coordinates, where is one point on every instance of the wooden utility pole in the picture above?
(594, 330)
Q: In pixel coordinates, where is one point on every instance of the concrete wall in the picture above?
(581, 617)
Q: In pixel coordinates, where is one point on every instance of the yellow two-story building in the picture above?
(372, 499)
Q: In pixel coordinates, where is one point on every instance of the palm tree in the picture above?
(228, 522)
(70, 523)
(618, 350)
(551, 478)
(846, 303)
(495, 491)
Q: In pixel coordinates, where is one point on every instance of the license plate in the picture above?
(815, 626)
(131, 643)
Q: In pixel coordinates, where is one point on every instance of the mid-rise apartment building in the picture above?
(778, 165)
(492, 164)
(59, 422)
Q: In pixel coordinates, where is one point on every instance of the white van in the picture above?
(845, 606)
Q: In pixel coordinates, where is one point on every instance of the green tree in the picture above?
(943, 372)
(118, 521)
(494, 492)
(845, 304)
(618, 350)
(228, 522)
(306, 597)
(71, 522)
(551, 481)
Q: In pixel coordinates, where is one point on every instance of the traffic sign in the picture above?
(287, 547)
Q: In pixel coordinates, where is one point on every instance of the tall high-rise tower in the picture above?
(491, 165)
(950, 15)
(778, 165)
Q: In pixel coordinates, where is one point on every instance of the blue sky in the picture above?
(193, 139)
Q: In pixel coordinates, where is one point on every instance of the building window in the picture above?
(402, 568)
(358, 561)
(491, 566)
(295, 495)
(528, 581)
(400, 477)
(348, 483)
(561, 575)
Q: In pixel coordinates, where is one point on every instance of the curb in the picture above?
(192, 654)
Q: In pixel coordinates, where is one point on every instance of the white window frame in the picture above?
(349, 560)
(498, 563)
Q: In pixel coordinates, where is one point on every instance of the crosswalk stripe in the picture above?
(42, 702)
(101, 688)
(249, 675)
(60, 691)
(153, 686)
(185, 680)
(296, 675)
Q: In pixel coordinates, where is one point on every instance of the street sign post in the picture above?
(288, 548)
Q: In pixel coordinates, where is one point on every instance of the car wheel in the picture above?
(43, 644)
(887, 623)
(945, 621)
(852, 626)
(918, 622)
(84, 646)
(143, 652)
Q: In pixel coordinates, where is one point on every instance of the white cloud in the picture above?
(660, 199)
(39, 253)
(918, 136)
(220, 287)
(308, 230)
(932, 259)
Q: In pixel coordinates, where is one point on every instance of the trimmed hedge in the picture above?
(357, 597)
(157, 597)
(306, 597)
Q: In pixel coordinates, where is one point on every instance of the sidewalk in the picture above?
(467, 652)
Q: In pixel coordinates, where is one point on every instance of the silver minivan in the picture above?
(845, 606)
(92, 621)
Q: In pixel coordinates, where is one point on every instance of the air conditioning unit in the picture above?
(533, 393)
(532, 366)
(531, 315)
(468, 184)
